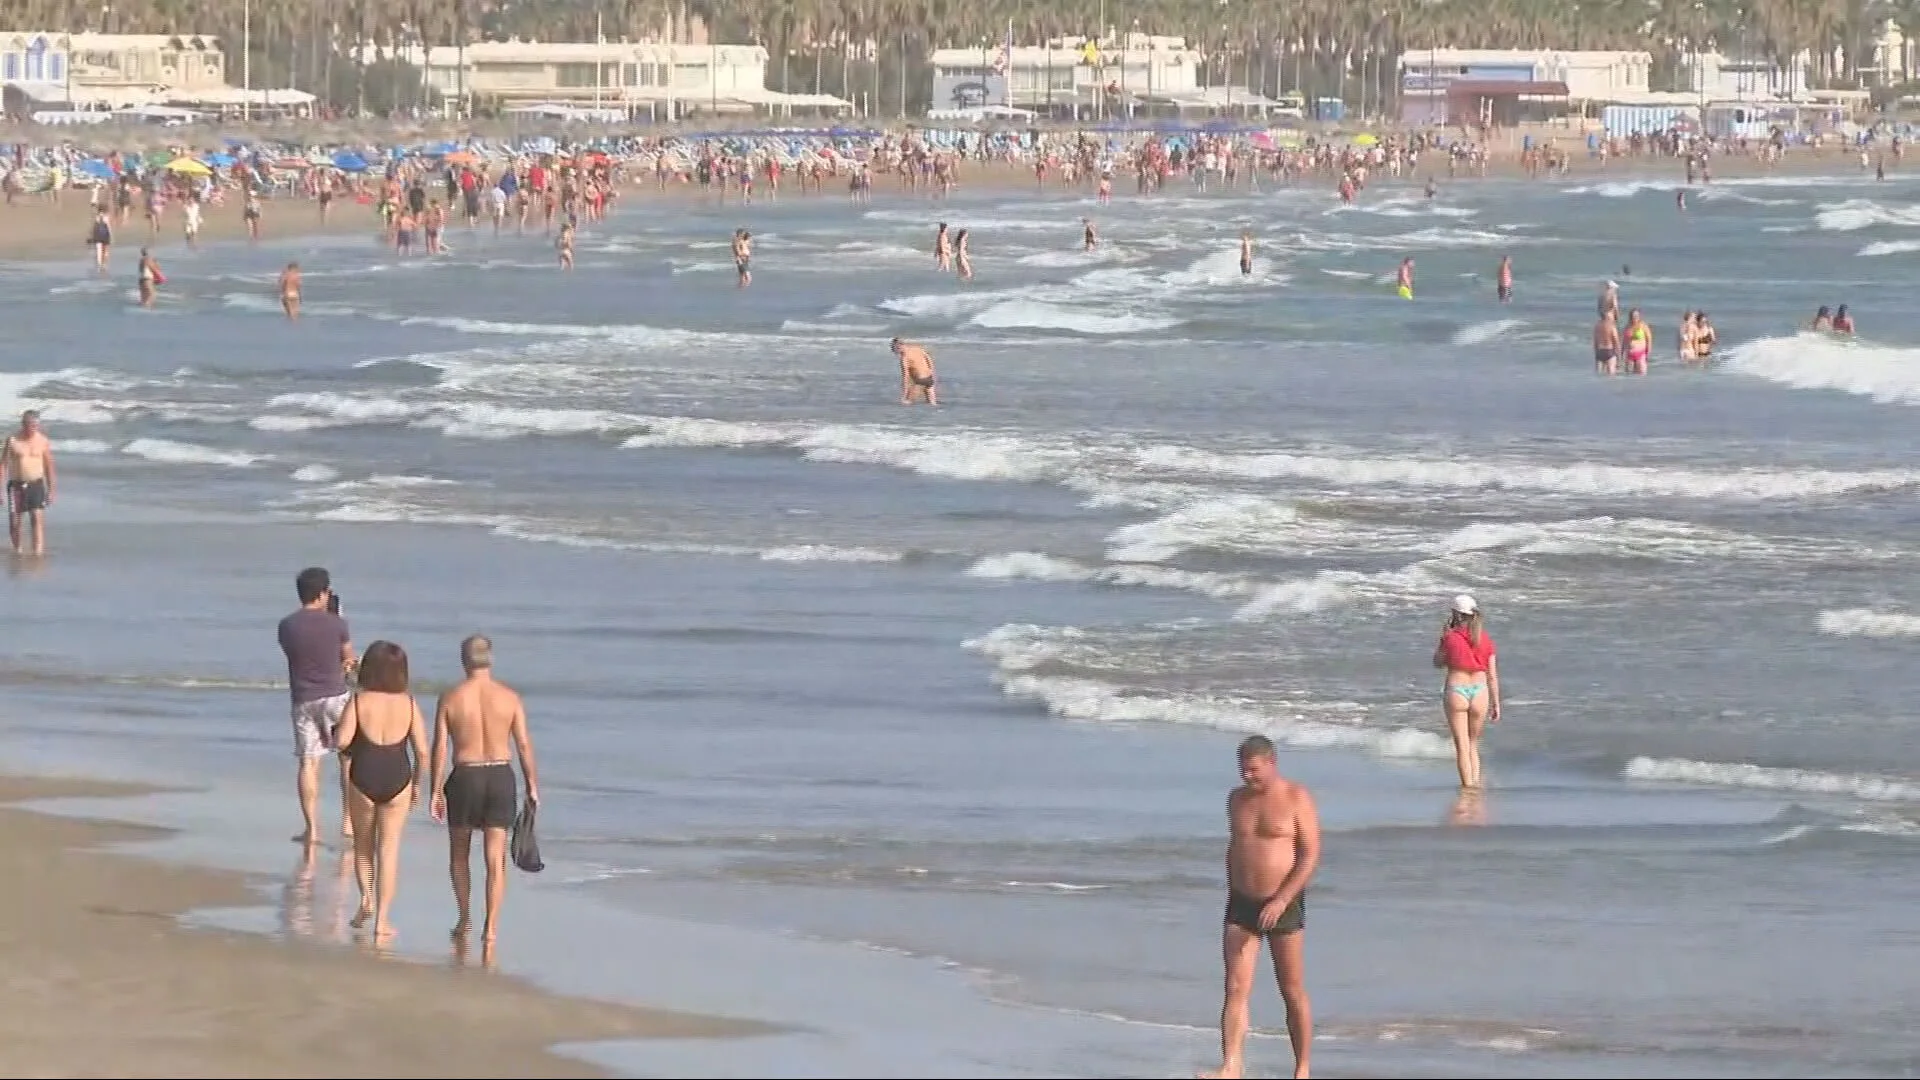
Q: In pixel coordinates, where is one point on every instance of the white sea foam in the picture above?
(1865, 622)
(828, 553)
(461, 419)
(1482, 332)
(1333, 588)
(1889, 247)
(1763, 778)
(1094, 701)
(1225, 521)
(1810, 361)
(1855, 214)
(1034, 314)
(1616, 480)
(169, 452)
(85, 446)
(1035, 566)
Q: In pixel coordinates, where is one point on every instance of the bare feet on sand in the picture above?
(360, 919)
(1232, 1072)
(460, 931)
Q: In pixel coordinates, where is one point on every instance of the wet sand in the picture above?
(101, 979)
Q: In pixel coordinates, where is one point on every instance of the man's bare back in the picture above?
(916, 373)
(483, 718)
(484, 725)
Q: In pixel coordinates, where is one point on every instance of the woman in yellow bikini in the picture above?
(1639, 343)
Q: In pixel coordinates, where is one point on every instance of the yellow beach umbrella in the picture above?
(188, 166)
(1365, 139)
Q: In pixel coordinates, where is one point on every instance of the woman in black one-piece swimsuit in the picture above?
(383, 777)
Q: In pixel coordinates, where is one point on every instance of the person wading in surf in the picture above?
(1273, 848)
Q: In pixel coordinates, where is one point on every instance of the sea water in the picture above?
(910, 729)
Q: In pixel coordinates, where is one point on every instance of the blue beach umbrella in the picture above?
(95, 168)
(347, 161)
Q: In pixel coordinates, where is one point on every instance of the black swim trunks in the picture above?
(1602, 356)
(1243, 911)
(925, 382)
(26, 496)
(482, 796)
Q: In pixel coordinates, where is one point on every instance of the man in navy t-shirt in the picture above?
(319, 658)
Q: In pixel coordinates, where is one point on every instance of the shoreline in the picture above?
(35, 229)
(109, 979)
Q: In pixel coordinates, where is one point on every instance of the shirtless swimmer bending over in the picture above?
(916, 374)
(1272, 852)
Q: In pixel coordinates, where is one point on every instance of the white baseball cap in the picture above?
(1464, 605)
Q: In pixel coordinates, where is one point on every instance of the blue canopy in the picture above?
(348, 161)
(219, 161)
(439, 149)
(95, 168)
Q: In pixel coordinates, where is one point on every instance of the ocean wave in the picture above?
(1812, 361)
(1856, 214)
(1590, 480)
(1763, 778)
(1091, 700)
(169, 452)
(1889, 247)
(1034, 314)
(1865, 622)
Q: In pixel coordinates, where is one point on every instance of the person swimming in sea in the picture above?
(1822, 319)
(1842, 322)
(1403, 281)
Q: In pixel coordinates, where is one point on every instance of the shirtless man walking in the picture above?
(27, 463)
(1272, 852)
(481, 717)
(916, 374)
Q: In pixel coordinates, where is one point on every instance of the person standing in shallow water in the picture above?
(1471, 692)
(319, 653)
(1273, 849)
(384, 742)
(479, 722)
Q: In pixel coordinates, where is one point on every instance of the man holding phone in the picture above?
(320, 658)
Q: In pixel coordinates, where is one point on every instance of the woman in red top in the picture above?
(1472, 691)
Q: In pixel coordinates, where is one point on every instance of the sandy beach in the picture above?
(102, 980)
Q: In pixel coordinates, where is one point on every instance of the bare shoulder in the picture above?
(1298, 798)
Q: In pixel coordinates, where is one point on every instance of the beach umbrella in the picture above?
(461, 157)
(186, 166)
(220, 161)
(1365, 139)
(348, 161)
(95, 168)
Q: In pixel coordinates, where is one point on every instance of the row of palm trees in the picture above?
(874, 51)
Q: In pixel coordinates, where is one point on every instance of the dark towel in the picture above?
(524, 846)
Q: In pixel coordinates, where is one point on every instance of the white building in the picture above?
(641, 78)
(1588, 76)
(118, 71)
(1715, 77)
(1082, 77)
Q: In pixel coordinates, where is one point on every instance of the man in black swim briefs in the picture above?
(480, 722)
(1272, 851)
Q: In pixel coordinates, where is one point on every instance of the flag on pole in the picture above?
(1004, 59)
